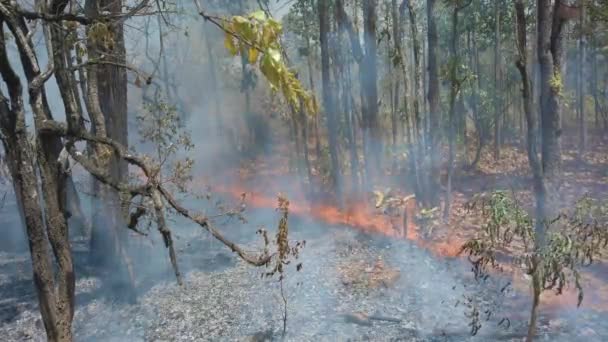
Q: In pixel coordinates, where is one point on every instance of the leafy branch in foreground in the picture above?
(258, 38)
(575, 238)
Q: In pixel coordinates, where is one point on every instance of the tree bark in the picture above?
(109, 96)
(371, 129)
(44, 214)
(497, 104)
(434, 105)
(581, 78)
(551, 86)
(328, 96)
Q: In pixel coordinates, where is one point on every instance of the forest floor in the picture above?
(425, 291)
(421, 297)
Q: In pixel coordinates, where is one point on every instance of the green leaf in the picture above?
(258, 15)
(270, 71)
(275, 54)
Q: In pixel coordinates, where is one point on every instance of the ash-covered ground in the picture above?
(223, 299)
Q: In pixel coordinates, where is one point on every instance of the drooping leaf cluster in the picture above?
(258, 37)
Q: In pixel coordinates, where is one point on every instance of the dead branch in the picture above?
(151, 189)
(165, 232)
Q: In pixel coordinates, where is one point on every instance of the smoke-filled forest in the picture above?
(303, 170)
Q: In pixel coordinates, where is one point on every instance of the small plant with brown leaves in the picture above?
(286, 252)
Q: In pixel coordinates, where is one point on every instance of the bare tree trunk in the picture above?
(31, 165)
(434, 105)
(328, 96)
(371, 130)
(454, 93)
(109, 234)
(549, 54)
(497, 104)
(581, 78)
(474, 62)
(594, 82)
(397, 37)
(417, 155)
(535, 163)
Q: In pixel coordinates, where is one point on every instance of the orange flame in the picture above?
(358, 215)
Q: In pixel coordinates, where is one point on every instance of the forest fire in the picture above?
(358, 214)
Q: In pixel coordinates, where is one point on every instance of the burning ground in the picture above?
(361, 279)
(349, 275)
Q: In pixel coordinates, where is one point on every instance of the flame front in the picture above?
(358, 215)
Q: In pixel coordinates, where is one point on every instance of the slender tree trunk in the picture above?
(474, 63)
(454, 93)
(328, 95)
(418, 147)
(546, 172)
(535, 163)
(397, 37)
(370, 89)
(497, 104)
(549, 54)
(346, 96)
(352, 139)
(594, 82)
(582, 61)
(434, 105)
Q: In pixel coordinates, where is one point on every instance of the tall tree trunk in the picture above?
(547, 171)
(533, 160)
(373, 155)
(581, 78)
(594, 83)
(328, 95)
(397, 37)
(350, 129)
(497, 104)
(346, 97)
(474, 64)
(109, 235)
(38, 176)
(550, 52)
(434, 105)
(417, 150)
(454, 93)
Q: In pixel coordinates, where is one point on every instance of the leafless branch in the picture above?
(152, 189)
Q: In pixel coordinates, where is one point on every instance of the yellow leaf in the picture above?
(270, 71)
(253, 55)
(239, 19)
